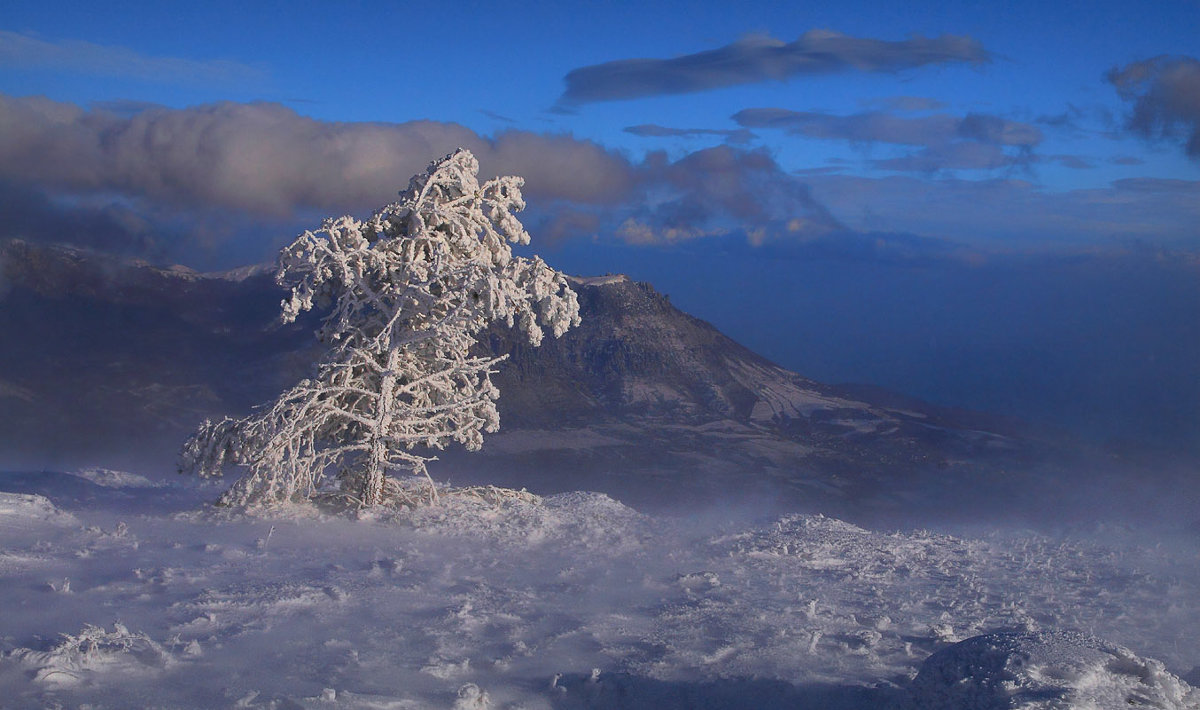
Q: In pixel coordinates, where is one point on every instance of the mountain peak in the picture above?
(639, 389)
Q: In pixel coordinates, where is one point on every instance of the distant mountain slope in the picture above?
(113, 363)
(106, 360)
(642, 390)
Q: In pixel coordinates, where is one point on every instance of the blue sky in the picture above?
(1038, 67)
(864, 140)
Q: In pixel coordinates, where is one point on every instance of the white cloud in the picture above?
(267, 159)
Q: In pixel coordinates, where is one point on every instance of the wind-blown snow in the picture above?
(29, 516)
(117, 603)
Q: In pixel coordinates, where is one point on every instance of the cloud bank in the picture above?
(264, 158)
(761, 58)
(219, 185)
(98, 170)
(1165, 92)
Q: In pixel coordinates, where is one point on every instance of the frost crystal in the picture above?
(408, 291)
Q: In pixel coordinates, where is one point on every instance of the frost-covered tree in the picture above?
(408, 292)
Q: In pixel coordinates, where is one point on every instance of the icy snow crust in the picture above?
(574, 601)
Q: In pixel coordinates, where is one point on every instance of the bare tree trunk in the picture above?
(377, 458)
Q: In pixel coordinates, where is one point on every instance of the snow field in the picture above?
(474, 606)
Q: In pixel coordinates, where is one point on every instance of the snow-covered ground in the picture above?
(117, 594)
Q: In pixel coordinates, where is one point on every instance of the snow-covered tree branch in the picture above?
(407, 292)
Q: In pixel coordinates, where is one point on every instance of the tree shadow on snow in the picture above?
(610, 691)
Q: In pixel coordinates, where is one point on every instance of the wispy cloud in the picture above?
(957, 155)
(496, 116)
(972, 142)
(1016, 213)
(995, 130)
(650, 130)
(861, 128)
(761, 58)
(1070, 119)
(881, 127)
(90, 59)
(1165, 92)
(908, 104)
(1074, 162)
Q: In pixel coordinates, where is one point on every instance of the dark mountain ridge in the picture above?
(113, 363)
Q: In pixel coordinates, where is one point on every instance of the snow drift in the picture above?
(570, 601)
